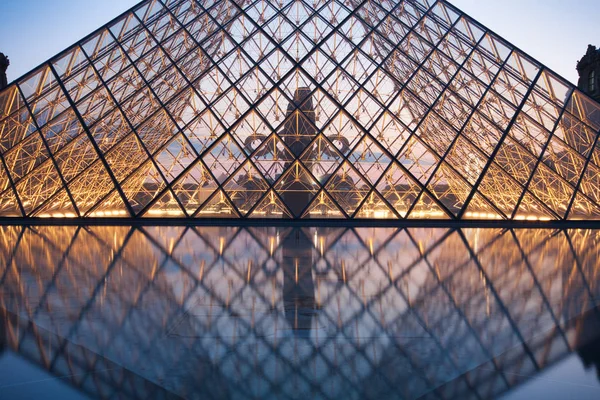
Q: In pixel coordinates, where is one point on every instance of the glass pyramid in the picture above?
(297, 109)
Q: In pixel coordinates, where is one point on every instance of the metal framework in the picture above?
(297, 109)
(296, 313)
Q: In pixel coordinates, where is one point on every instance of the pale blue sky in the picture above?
(556, 32)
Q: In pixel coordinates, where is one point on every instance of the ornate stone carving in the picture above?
(4, 63)
(591, 56)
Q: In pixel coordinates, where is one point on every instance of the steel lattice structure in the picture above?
(297, 109)
(282, 313)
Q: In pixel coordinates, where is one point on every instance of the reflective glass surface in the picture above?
(295, 109)
(298, 313)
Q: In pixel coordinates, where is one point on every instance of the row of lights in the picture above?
(376, 214)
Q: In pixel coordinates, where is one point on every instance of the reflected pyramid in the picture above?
(337, 313)
(405, 109)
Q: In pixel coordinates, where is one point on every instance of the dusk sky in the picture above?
(555, 32)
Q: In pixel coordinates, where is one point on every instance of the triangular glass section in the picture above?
(143, 186)
(250, 132)
(9, 207)
(90, 187)
(343, 132)
(323, 206)
(166, 205)
(195, 187)
(426, 208)
(583, 208)
(297, 187)
(531, 209)
(175, 157)
(374, 207)
(272, 158)
(245, 188)
(203, 131)
(480, 209)
(559, 199)
(502, 190)
(39, 186)
(271, 207)
(218, 206)
(224, 158)
(111, 207)
(58, 207)
(325, 109)
(399, 189)
(322, 158)
(347, 187)
(369, 159)
(450, 188)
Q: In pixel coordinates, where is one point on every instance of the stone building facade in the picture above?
(589, 72)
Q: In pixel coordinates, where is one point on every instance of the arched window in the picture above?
(592, 82)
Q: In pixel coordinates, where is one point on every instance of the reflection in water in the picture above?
(298, 313)
(298, 285)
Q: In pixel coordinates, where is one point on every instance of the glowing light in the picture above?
(380, 214)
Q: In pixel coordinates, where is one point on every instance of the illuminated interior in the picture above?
(404, 109)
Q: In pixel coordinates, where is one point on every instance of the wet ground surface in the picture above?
(290, 313)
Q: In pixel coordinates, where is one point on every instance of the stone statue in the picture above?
(591, 56)
(4, 63)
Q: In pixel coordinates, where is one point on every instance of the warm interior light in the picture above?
(305, 136)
